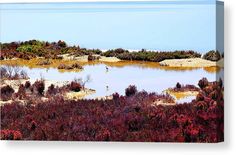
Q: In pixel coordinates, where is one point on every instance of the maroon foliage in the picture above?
(75, 86)
(27, 84)
(131, 90)
(51, 90)
(187, 87)
(203, 83)
(133, 118)
(21, 92)
(10, 135)
(38, 87)
(6, 92)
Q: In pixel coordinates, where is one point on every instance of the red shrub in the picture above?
(27, 84)
(38, 87)
(131, 90)
(75, 86)
(51, 90)
(124, 118)
(6, 92)
(10, 135)
(21, 91)
(203, 83)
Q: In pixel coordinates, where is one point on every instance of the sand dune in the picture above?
(192, 62)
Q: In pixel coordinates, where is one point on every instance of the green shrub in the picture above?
(154, 56)
(212, 55)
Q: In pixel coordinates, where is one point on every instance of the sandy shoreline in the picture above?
(79, 95)
(85, 58)
(69, 95)
(192, 62)
(16, 83)
(181, 94)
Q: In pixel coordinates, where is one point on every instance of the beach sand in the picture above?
(191, 62)
(85, 58)
(79, 95)
(181, 94)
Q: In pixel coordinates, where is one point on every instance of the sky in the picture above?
(164, 26)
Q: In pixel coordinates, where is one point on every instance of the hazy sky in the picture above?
(136, 25)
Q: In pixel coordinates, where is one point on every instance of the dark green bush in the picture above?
(154, 56)
(212, 55)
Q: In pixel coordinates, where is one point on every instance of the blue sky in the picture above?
(150, 25)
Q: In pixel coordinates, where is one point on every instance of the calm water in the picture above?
(116, 79)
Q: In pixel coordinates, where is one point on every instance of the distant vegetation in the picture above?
(133, 117)
(69, 67)
(213, 55)
(34, 48)
(155, 56)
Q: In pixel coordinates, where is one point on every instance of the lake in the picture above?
(116, 78)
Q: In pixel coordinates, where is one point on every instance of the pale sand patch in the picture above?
(162, 102)
(109, 59)
(5, 102)
(191, 62)
(110, 97)
(85, 58)
(79, 95)
(181, 94)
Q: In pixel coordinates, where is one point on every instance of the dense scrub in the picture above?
(34, 48)
(6, 92)
(92, 58)
(125, 118)
(10, 135)
(69, 67)
(37, 90)
(38, 87)
(131, 90)
(187, 87)
(155, 56)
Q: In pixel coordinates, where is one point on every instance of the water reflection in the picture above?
(186, 99)
(141, 64)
